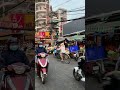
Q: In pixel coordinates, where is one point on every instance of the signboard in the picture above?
(17, 20)
(42, 35)
(20, 21)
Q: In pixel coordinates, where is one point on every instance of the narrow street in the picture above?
(60, 77)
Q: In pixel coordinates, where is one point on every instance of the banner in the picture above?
(95, 53)
(42, 34)
(20, 21)
(73, 48)
(47, 34)
(17, 20)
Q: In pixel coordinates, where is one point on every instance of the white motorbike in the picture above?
(78, 71)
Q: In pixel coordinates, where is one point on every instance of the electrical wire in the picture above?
(13, 7)
(76, 14)
(76, 8)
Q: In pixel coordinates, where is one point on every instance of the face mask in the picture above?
(13, 47)
(40, 45)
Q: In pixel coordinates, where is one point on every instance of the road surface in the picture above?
(60, 77)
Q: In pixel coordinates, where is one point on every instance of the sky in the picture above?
(72, 4)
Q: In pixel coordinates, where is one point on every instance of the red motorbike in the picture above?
(17, 78)
(42, 66)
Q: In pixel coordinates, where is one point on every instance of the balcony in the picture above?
(40, 8)
(40, 18)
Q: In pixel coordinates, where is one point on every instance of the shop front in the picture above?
(103, 40)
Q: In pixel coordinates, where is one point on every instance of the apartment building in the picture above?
(60, 15)
(42, 20)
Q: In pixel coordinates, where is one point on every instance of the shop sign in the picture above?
(17, 20)
(20, 21)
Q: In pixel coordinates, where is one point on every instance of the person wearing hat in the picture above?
(40, 48)
(11, 55)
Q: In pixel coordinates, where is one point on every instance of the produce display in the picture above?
(112, 55)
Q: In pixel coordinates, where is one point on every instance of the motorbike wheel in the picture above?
(43, 78)
(76, 75)
(76, 58)
(100, 79)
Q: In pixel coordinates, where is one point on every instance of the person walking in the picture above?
(62, 51)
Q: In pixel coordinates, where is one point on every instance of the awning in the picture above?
(5, 38)
(78, 37)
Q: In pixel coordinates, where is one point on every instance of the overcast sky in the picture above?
(72, 4)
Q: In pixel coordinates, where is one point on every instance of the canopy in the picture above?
(60, 39)
(78, 37)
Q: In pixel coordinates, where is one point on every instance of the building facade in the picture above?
(62, 16)
(58, 19)
(42, 20)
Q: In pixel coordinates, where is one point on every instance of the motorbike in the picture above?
(97, 72)
(42, 66)
(17, 78)
(74, 55)
(112, 82)
(78, 72)
(65, 55)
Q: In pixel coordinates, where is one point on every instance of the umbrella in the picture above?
(78, 37)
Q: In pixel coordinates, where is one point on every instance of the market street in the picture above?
(60, 77)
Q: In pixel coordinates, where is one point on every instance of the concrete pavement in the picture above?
(60, 77)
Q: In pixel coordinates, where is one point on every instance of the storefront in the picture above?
(103, 36)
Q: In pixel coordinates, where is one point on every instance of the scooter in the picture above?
(17, 78)
(42, 66)
(78, 71)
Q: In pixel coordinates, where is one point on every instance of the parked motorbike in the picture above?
(74, 55)
(17, 78)
(78, 72)
(97, 72)
(42, 66)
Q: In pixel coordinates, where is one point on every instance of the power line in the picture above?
(70, 19)
(63, 3)
(76, 14)
(13, 7)
(76, 8)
